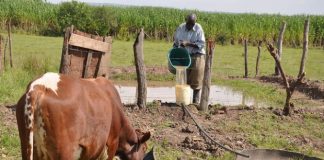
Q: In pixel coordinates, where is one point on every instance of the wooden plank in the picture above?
(140, 70)
(207, 77)
(86, 67)
(89, 43)
(103, 69)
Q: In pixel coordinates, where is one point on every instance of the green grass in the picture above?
(34, 55)
(265, 130)
(9, 141)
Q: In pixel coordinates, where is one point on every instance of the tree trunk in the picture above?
(258, 59)
(10, 42)
(140, 70)
(207, 77)
(290, 87)
(245, 59)
(305, 48)
(279, 45)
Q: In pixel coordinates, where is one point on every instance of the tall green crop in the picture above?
(36, 16)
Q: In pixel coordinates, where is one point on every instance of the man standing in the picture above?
(191, 36)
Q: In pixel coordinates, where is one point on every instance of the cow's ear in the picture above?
(146, 136)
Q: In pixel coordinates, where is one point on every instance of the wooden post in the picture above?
(88, 62)
(305, 48)
(1, 54)
(104, 60)
(245, 59)
(140, 70)
(207, 76)
(4, 54)
(258, 59)
(65, 51)
(279, 45)
(10, 42)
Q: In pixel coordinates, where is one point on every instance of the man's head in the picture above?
(190, 21)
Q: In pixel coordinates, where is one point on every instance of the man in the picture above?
(191, 36)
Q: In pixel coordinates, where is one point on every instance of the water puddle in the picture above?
(218, 95)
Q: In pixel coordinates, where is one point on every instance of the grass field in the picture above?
(34, 55)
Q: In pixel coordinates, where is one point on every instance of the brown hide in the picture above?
(78, 120)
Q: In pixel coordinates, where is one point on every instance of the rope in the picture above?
(206, 134)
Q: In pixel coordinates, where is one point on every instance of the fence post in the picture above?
(279, 45)
(305, 48)
(10, 42)
(140, 70)
(65, 51)
(0, 54)
(245, 59)
(258, 59)
(207, 76)
(4, 54)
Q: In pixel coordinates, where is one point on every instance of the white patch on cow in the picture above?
(31, 138)
(77, 153)
(28, 112)
(49, 80)
(28, 117)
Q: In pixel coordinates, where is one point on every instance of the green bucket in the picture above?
(178, 57)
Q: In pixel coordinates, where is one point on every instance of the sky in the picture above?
(285, 7)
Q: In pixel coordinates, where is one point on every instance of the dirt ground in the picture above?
(313, 89)
(165, 122)
(167, 125)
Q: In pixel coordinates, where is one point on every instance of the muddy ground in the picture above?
(166, 123)
(313, 89)
(169, 129)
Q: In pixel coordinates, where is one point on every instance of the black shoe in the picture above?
(196, 95)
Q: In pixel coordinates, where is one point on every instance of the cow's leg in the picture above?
(25, 129)
(112, 148)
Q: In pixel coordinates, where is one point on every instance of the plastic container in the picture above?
(183, 94)
(183, 91)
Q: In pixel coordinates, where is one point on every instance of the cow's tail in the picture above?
(32, 98)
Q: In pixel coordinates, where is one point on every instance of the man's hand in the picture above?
(184, 43)
(187, 43)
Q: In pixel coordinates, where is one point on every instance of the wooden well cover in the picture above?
(85, 55)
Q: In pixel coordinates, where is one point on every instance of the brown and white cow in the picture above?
(65, 118)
